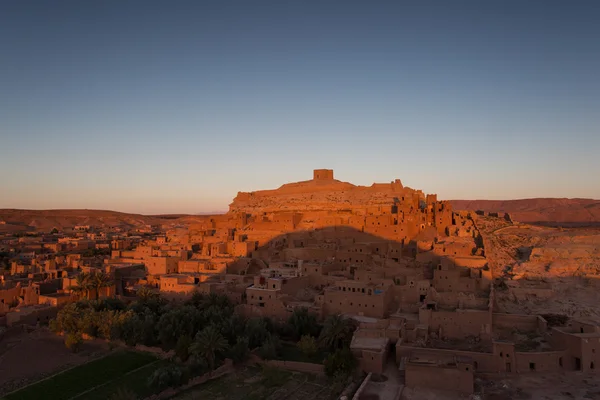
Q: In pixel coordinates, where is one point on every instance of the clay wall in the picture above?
(371, 361)
(31, 315)
(457, 324)
(192, 266)
(308, 254)
(590, 353)
(431, 376)
(365, 275)
(524, 323)
(539, 361)
(357, 222)
(161, 265)
(350, 258)
(7, 296)
(337, 301)
(482, 362)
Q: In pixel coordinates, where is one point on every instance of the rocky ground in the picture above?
(543, 211)
(543, 269)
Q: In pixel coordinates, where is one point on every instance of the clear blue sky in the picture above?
(175, 106)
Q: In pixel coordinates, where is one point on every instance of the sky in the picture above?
(175, 106)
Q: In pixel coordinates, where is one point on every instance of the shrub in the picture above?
(169, 376)
(73, 342)
(341, 361)
(308, 345)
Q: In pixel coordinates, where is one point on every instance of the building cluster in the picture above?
(409, 270)
(39, 271)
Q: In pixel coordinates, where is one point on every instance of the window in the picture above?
(532, 366)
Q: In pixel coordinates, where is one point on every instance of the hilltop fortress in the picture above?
(388, 210)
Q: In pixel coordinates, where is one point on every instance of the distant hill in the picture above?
(45, 220)
(542, 211)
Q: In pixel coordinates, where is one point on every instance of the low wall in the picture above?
(362, 387)
(486, 362)
(224, 369)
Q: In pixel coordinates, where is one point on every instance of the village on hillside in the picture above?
(415, 291)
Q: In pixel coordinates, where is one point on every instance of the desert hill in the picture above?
(541, 211)
(15, 220)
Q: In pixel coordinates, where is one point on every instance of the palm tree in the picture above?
(100, 280)
(303, 322)
(208, 344)
(82, 285)
(337, 330)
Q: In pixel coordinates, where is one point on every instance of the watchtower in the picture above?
(323, 174)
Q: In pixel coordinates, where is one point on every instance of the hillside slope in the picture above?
(546, 211)
(45, 220)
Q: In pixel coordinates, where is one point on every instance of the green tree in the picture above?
(82, 285)
(270, 348)
(208, 345)
(99, 280)
(256, 332)
(303, 323)
(308, 345)
(179, 321)
(239, 351)
(337, 332)
(183, 346)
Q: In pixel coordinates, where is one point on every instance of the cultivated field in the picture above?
(96, 379)
(252, 383)
(26, 358)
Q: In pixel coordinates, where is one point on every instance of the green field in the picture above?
(95, 374)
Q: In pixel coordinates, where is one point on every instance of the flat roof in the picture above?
(369, 343)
